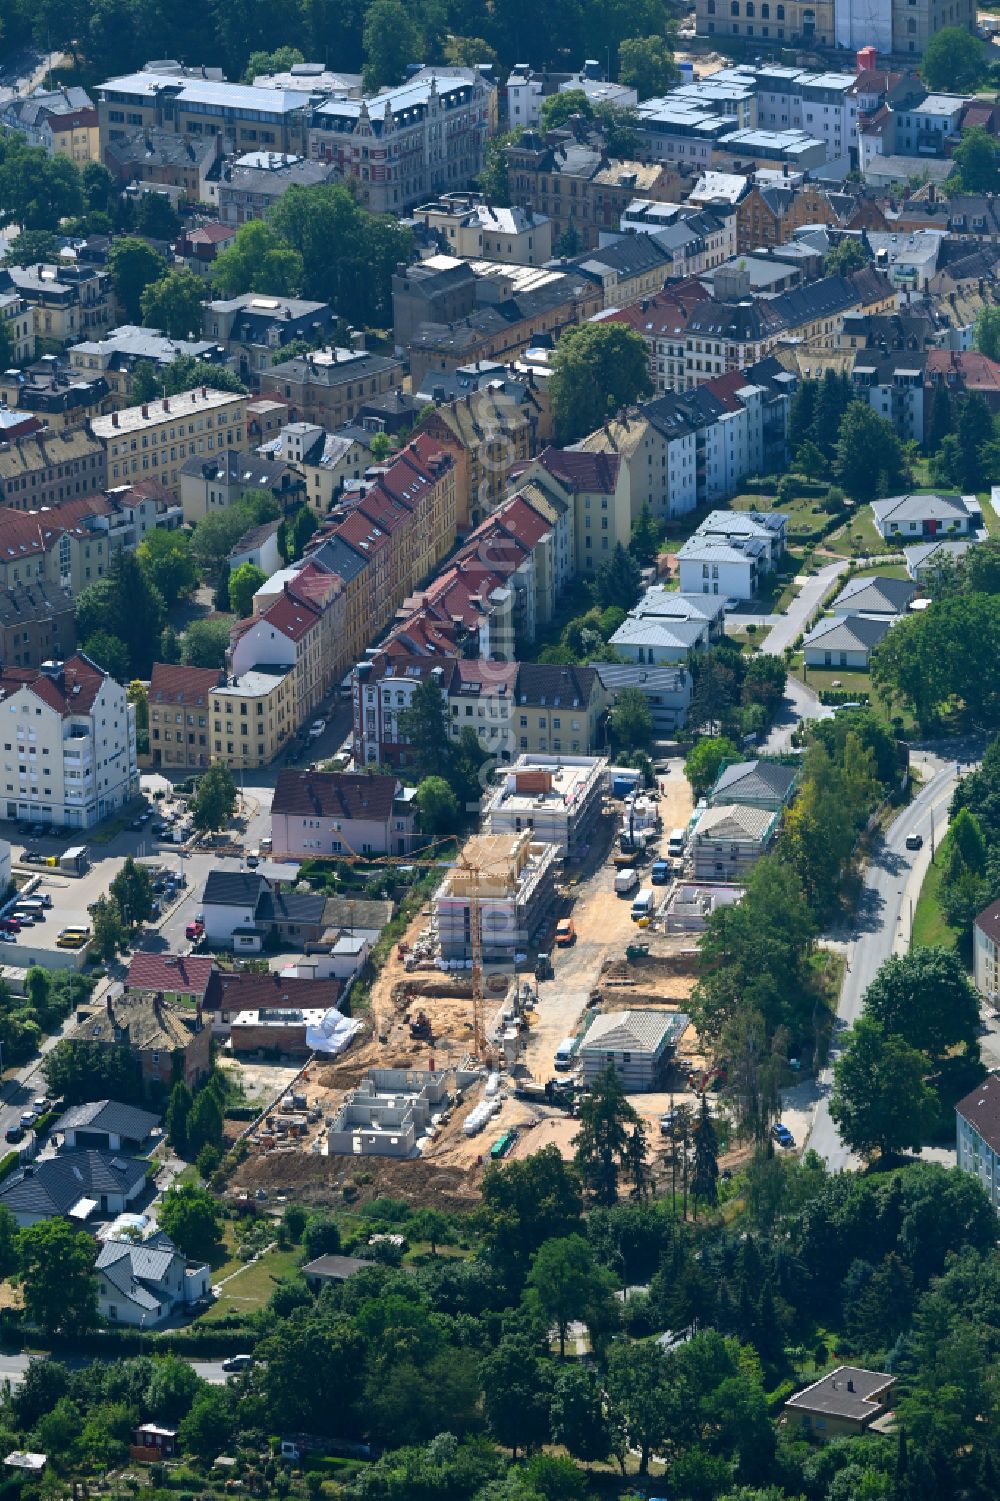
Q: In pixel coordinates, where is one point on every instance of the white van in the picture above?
(626, 881)
(565, 1053)
(643, 904)
(677, 842)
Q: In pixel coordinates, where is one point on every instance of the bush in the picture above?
(8, 1163)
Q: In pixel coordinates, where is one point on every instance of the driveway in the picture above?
(811, 595)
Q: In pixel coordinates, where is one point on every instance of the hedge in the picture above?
(242, 1112)
(8, 1163)
(229, 1336)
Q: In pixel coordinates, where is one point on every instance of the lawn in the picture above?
(857, 537)
(856, 684)
(252, 1285)
(930, 928)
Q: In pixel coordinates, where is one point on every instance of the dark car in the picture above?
(10, 924)
(914, 841)
(14, 1134)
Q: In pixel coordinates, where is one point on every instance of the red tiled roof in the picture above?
(72, 118)
(363, 535)
(73, 692)
(182, 685)
(725, 387)
(974, 370)
(291, 617)
(210, 234)
(165, 972)
(316, 586)
(582, 472)
(236, 990)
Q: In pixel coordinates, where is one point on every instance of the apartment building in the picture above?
(250, 185)
(329, 386)
(117, 356)
(68, 301)
(317, 813)
(45, 469)
(210, 483)
(662, 321)
(793, 23)
(595, 485)
(18, 324)
(194, 104)
(58, 396)
(487, 432)
(253, 716)
(73, 547)
(68, 742)
(527, 90)
(977, 1121)
(286, 635)
(254, 329)
(475, 230)
(575, 185)
(62, 121)
(179, 710)
(409, 143)
(186, 167)
(37, 624)
(893, 385)
(557, 709)
(154, 439)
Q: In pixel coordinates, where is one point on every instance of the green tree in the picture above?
(173, 1387)
(565, 1284)
(126, 605)
(170, 646)
(631, 721)
(617, 581)
(706, 759)
(214, 801)
(157, 219)
(975, 429)
(578, 1416)
(176, 1117)
(470, 52)
(987, 337)
(37, 191)
(880, 1100)
(598, 368)
(391, 40)
(647, 534)
(30, 247)
(56, 1264)
(802, 414)
(281, 60)
(438, 806)
(258, 260)
(646, 64)
(243, 585)
(431, 1225)
(381, 447)
(705, 1174)
(134, 266)
(217, 534)
(348, 254)
(166, 559)
(869, 458)
(205, 644)
(558, 108)
(833, 396)
(204, 1123)
(941, 419)
(424, 726)
(132, 889)
(207, 1428)
(978, 161)
(525, 1204)
(304, 525)
(221, 596)
(641, 1399)
(109, 934)
(493, 178)
(190, 1216)
(174, 304)
(611, 1141)
(926, 997)
(847, 255)
(109, 652)
(515, 1390)
(185, 373)
(954, 61)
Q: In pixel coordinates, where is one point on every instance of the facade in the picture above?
(211, 483)
(986, 953)
(252, 184)
(513, 879)
(62, 121)
(488, 431)
(556, 709)
(142, 1284)
(917, 518)
(729, 839)
(259, 547)
(474, 230)
(191, 104)
(317, 813)
(75, 546)
(69, 301)
(53, 393)
(19, 325)
(527, 90)
(729, 569)
(978, 1135)
(575, 185)
(253, 716)
(155, 159)
(409, 143)
(328, 387)
(844, 1403)
(154, 439)
(555, 797)
(638, 1044)
(169, 1044)
(70, 758)
(121, 350)
(667, 691)
(242, 909)
(179, 697)
(44, 469)
(37, 623)
(254, 329)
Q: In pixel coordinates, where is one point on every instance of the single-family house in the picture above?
(640, 1045)
(169, 1044)
(729, 839)
(874, 596)
(925, 560)
(711, 565)
(234, 992)
(258, 547)
(77, 1185)
(105, 1126)
(658, 641)
(844, 641)
(316, 813)
(323, 1271)
(843, 1403)
(978, 1135)
(755, 784)
(143, 1283)
(242, 910)
(912, 518)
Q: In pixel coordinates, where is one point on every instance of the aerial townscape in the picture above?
(500, 824)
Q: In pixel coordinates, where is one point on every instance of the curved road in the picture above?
(882, 925)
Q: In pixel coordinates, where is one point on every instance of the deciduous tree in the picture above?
(880, 1099)
(190, 1216)
(598, 368)
(134, 266)
(56, 1264)
(243, 585)
(174, 304)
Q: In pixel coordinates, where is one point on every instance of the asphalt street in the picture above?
(14, 1365)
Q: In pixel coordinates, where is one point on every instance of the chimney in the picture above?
(110, 1008)
(850, 1384)
(166, 403)
(145, 410)
(114, 419)
(204, 391)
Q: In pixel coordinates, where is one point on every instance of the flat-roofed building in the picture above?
(189, 103)
(514, 885)
(557, 799)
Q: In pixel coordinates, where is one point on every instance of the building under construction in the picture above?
(513, 880)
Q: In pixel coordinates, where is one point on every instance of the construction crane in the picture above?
(476, 945)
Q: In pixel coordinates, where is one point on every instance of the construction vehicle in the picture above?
(557, 1093)
(420, 1027)
(543, 967)
(636, 951)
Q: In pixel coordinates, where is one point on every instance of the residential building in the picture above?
(327, 1270)
(254, 715)
(388, 1114)
(575, 185)
(732, 570)
(887, 597)
(481, 697)
(844, 641)
(487, 432)
(755, 784)
(963, 371)
(683, 131)
(741, 150)
(105, 1126)
(57, 396)
(18, 324)
(770, 213)
(986, 953)
(667, 691)
(167, 1043)
(68, 301)
(557, 798)
(235, 993)
(317, 813)
(209, 484)
(794, 23)
(74, 1185)
(158, 159)
(629, 267)
(286, 634)
(696, 240)
(326, 462)
(639, 1045)
(556, 709)
(73, 133)
(329, 386)
(200, 244)
(406, 144)
(194, 105)
(180, 979)
(978, 1126)
(179, 697)
(44, 118)
(254, 329)
(241, 909)
(595, 486)
(290, 1033)
(659, 642)
(71, 757)
(44, 469)
(925, 560)
(893, 386)
(511, 878)
(842, 1404)
(122, 350)
(156, 437)
(259, 547)
(473, 230)
(74, 546)
(527, 90)
(250, 185)
(143, 1283)
(913, 518)
(37, 623)
(729, 839)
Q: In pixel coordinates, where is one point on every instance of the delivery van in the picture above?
(677, 842)
(643, 904)
(565, 1053)
(626, 880)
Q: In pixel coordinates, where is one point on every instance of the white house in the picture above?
(659, 642)
(667, 691)
(977, 1119)
(874, 596)
(144, 1283)
(710, 566)
(738, 527)
(332, 812)
(638, 1043)
(986, 953)
(259, 547)
(74, 1185)
(844, 641)
(916, 518)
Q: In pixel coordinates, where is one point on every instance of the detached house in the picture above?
(242, 910)
(144, 1283)
(340, 813)
(847, 641)
(729, 839)
(914, 518)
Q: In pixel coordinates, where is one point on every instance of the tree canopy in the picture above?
(598, 368)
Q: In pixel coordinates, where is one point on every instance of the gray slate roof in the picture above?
(875, 596)
(110, 1116)
(848, 633)
(922, 508)
(55, 1184)
(753, 780)
(634, 1031)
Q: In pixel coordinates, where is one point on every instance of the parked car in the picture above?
(914, 841)
(317, 728)
(28, 1118)
(782, 1135)
(667, 1122)
(14, 1134)
(7, 937)
(252, 861)
(10, 924)
(235, 1363)
(194, 931)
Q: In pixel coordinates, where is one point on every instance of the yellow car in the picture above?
(72, 938)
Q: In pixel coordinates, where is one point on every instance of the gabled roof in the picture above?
(175, 684)
(555, 686)
(234, 888)
(72, 691)
(735, 821)
(875, 595)
(580, 471)
(753, 780)
(54, 1185)
(110, 1116)
(634, 1031)
(238, 990)
(169, 972)
(334, 794)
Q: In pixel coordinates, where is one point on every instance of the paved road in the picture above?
(810, 596)
(889, 895)
(13, 1367)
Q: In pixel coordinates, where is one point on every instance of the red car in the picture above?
(194, 931)
(10, 924)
